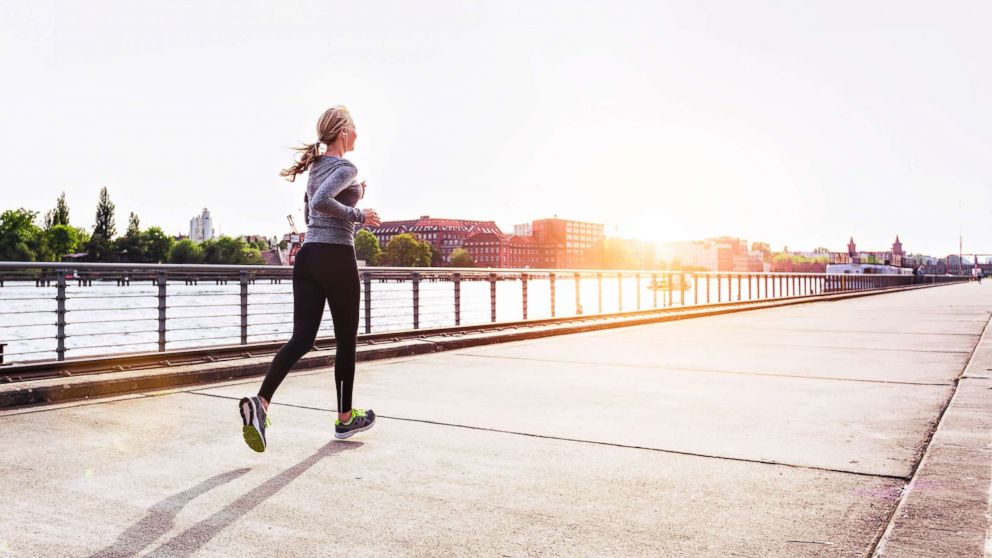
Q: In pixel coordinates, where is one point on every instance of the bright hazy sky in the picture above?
(795, 123)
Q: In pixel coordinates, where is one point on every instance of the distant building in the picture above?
(444, 234)
(525, 229)
(568, 244)
(893, 257)
(489, 249)
(868, 269)
(201, 227)
(731, 254)
(724, 253)
(691, 254)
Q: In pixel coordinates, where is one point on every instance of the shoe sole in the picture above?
(251, 433)
(350, 433)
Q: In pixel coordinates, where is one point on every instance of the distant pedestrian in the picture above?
(325, 272)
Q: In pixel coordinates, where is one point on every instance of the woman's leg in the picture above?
(308, 307)
(343, 290)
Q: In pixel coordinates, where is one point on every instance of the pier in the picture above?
(853, 427)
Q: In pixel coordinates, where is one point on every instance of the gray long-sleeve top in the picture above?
(332, 193)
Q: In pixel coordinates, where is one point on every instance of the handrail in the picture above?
(430, 297)
(95, 266)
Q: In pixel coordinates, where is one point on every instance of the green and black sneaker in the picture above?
(360, 421)
(255, 420)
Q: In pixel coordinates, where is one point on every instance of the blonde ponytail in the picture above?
(329, 125)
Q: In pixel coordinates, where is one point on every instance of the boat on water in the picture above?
(661, 283)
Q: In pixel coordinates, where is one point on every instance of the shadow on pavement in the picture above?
(162, 515)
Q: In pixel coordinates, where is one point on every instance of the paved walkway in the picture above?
(786, 432)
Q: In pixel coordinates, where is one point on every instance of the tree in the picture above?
(231, 251)
(186, 252)
(63, 239)
(133, 224)
(130, 246)
(252, 256)
(101, 247)
(434, 257)
(105, 225)
(461, 258)
(19, 235)
(261, 244)
(59, 215)
(156, 245)
(367, 247)
(403, 250)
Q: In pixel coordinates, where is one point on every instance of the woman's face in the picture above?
(349, 139)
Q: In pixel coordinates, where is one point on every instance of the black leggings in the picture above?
(322, 272)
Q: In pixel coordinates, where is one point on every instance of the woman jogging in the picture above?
(325, 270)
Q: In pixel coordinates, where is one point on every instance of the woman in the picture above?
(325, 270)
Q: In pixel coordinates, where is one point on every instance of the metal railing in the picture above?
(54, 311)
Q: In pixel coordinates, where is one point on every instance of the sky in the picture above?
(800, 124)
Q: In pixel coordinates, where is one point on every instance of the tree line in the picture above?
(24, 239)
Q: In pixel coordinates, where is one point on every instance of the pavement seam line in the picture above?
(590, 442)
(887, 532)
(715, 371)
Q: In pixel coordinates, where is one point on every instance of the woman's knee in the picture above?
(301, 343)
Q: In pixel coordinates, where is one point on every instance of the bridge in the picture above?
(852, 424)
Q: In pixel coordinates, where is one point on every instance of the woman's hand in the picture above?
(371, 218)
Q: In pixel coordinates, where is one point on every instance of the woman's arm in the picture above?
(323, 199)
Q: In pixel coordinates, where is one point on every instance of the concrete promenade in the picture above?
(834, 429)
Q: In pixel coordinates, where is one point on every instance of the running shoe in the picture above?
(255, 420)
(360, 421)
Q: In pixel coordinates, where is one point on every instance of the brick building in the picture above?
(567, 244)
(444, 234)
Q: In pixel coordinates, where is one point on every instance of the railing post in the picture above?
(637, 283)
(669, 289)
(416, 300)
(654, 289)
(681, 288)
(749, 293)
(578, 298)
(160, 280)
(738, 287)
(695, 289)
(458, 298)
(492, 296)
(599, 291)
(619, 292)
(719, 288)
(60, 313)
(243, 276)
(367, 282)
(523, 293)
(551, 279)
(707, 288)
(765, 293)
